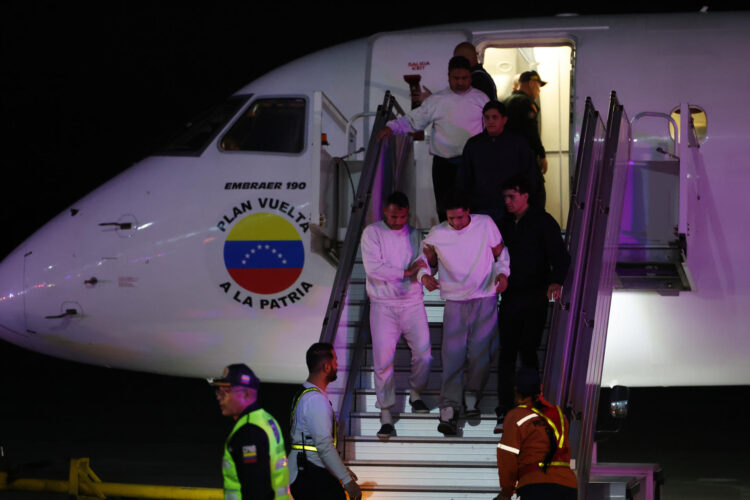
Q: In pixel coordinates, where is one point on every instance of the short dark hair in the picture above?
(459, 62)
(456, 199)
(498, 105)
(318, 354)
(518, 182)
(397, 198)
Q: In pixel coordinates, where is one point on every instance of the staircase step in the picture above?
(434, 381)
(440, 493)
(350, 324)
(365, 401)
(439, 476)
(480, 449)
(420, 425)
(353, 309)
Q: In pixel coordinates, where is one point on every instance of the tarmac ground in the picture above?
(154, 429)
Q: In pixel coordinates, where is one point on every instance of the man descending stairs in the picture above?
(418, 461)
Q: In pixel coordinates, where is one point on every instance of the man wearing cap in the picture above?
(315, 467)
(533, 457)
(523, 112)
(254, 464)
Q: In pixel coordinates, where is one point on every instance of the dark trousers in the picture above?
(547, 491)
(316, 483)
(521, 323)
(443, 181)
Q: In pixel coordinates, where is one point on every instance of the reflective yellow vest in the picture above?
(334, 424)
(277, 457)
(551, 414)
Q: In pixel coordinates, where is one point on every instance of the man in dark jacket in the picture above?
(539, 261)
(491, 158)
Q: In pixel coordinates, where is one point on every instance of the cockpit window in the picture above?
(271, 125)
(198, 133)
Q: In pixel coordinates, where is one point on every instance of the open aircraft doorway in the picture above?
(554, 64)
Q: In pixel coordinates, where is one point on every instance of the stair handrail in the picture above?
(356, 224)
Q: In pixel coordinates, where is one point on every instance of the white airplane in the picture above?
(216, 249)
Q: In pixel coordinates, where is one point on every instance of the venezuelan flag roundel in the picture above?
(264, 253)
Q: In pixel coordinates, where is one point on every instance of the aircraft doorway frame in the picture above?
(560, 160)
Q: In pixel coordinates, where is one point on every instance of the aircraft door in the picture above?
(553, 60)
(405, 63)
(332, 180)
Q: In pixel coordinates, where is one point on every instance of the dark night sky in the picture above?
(86, 92)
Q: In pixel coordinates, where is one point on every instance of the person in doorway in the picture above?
(540, 265)
(315, 467)
(254, 464)
(523, 119)
(480, 79)
(391, 256)
(455, 114)
(473, 267)
(533, 456)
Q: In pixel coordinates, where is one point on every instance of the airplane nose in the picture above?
(12, 317)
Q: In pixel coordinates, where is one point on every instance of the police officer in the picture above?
(523, 120)
(316, 469)
(254, 463)
(533, 457)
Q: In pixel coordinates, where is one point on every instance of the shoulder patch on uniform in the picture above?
(274, 427)
(249, 454)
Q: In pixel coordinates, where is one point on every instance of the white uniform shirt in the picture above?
(455, 118)
(466, 267)
(386, 254)
(314, 418)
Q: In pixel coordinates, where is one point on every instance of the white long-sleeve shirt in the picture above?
(386, 254)
(455, 118)
(466, 267)
(314, 418)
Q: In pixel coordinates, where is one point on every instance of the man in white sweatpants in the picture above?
(473, 267)
(391, 256)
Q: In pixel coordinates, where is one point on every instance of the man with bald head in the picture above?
(480, 79)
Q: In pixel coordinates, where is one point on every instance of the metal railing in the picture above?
(382, 159)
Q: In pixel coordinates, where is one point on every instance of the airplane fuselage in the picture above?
(195, 258)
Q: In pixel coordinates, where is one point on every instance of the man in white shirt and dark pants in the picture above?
(391, 256)
(455, 114)
(473, 267)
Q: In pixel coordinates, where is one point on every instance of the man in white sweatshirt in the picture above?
(473, 267)
(391, 256)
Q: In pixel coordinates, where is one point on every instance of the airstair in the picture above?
(419, 462)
